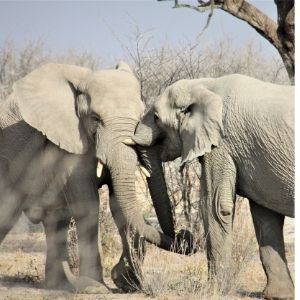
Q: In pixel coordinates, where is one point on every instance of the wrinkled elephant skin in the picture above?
(60, 127)
(242, 131)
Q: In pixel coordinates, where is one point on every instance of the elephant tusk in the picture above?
(129, 142)
(145, 171)
(99, 169)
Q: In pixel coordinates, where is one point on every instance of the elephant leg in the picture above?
(218, 196)
(126, 273)
(269, 233)
(82, 195)
(10, 211)
(56, 225)
(89, 256)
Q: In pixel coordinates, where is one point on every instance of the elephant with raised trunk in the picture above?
(242, 131)
(61, 125)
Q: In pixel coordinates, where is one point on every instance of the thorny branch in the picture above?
(280, 34)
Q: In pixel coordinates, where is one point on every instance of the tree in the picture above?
(280, 34)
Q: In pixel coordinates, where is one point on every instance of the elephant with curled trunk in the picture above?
(241, 130)
(61, 125)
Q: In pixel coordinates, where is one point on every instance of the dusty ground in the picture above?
(166, 275)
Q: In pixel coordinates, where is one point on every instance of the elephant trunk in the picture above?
(122, 168)
(149, 156)
(147, 132)
(121, 161)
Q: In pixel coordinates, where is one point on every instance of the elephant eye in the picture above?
(156, 117)
(95, 118)
(188, 109)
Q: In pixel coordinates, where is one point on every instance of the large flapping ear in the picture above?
(46, 99)
(123, 66)
(202, 126)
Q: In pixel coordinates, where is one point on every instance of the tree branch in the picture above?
(242, 10)
(280, 35)
(245, 11)
(200, 9)
(212, 3)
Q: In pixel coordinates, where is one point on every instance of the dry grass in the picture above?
(164, 275)
(171, 276)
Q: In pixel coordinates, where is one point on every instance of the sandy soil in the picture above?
(22, 258)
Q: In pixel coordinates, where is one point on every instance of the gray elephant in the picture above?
(61, 125)
(241, 130)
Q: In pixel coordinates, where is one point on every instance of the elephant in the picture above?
(61, 129)
(241, 130)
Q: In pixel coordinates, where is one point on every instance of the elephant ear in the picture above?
(47, 101)
(201, 127)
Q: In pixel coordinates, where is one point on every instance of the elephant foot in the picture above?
(125, 278)
(95, 289)
(62, 284)
(279, 291)
(86, 285)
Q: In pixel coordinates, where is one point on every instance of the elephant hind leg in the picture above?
(269, 233)
(10, 211)
(56, 225)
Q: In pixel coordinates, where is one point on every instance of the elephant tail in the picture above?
(70, 276)
(84, 284)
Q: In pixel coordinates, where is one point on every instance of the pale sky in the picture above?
(96, 26)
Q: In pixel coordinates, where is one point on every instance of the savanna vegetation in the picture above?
(163, 275)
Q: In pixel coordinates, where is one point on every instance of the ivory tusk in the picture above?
(99, 169)
(129, 142)
(145, 171)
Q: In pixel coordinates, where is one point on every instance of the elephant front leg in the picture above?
(126, 274)
(85, 209)
(269, 233)
(218, 196)
(56, 225)
(89, 256)
(83, 192)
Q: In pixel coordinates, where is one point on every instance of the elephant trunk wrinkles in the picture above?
(122, 167)
(158, 189)
(147, 132)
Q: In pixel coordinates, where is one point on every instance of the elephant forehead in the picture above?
(166, 113)
(117, 92)
(114, 82)
(175, 96)
(178, 93)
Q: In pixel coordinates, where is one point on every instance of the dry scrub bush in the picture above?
(72, 244)
(156, 68)
(15, 62)
(168, 275)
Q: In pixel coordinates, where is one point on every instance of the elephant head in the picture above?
(186, 120)
(81, 110)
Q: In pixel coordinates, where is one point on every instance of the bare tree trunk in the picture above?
(280, 34)
(286, 34)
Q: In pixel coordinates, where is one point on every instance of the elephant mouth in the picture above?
(101, 170)
(169, 155)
